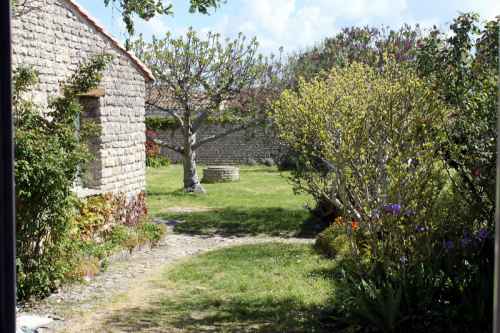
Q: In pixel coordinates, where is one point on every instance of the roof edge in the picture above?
(148, 74)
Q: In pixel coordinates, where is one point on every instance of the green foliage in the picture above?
(161, 123)
(369, 138)
(462, 66)
(171, 124)
(45, 174)
(147, 9)
(157, 161)
(374, 143)
(333, 242)
(152, 232)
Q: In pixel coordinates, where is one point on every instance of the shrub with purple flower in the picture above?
(394, 209)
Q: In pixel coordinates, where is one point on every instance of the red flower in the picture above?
(354, 225)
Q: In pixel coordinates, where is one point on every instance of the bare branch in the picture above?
(169, 111)
(178, 149)
(216, 137)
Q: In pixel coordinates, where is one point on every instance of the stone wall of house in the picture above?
(55, 38)
(236, 148)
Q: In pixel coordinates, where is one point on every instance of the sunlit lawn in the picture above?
(254, 288)
(262, 202)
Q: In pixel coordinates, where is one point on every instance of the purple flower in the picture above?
(403, 260)
(482, 234)
(421, 228)
(448, 245)
(394, 209)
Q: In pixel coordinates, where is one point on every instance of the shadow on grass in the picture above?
(238, 222)
(195, 314)
(265, 288)
(177, 193)
(260, 170)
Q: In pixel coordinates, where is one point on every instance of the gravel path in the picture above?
(71, 301)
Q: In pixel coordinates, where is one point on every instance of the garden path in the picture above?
(76, 306)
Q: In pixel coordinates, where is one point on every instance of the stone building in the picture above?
(54, 37)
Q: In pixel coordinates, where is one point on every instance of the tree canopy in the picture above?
(198, 79)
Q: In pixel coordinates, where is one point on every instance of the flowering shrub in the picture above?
(372, 141)
(153, 157)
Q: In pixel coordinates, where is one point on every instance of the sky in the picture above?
(294, 24)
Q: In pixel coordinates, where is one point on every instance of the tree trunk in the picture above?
(191, 181)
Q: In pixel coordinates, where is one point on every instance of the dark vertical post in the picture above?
(496, 299)
(7, 215)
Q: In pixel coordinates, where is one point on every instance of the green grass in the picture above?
(252, 288)
(262, 202)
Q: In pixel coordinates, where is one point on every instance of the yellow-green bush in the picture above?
(333, 242)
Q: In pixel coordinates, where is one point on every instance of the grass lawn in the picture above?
(252, 288)
(262, 202)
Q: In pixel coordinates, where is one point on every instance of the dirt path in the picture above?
(79, 308)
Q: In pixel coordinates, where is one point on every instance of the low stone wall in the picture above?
(220, 174)
(237, 148)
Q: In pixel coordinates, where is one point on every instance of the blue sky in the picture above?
(295, 24)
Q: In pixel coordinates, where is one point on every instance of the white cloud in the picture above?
(297, 24)
(284, 23)
(487, 8)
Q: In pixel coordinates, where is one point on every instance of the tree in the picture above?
(207, 79)
(367, 45)
(462, 66)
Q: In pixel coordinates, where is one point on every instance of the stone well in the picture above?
(221, 173)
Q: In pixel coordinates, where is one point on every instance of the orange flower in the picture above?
(339, 220)
(354, 225)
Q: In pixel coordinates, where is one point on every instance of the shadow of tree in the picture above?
(196, 314)
(238, 222)
(263, 288)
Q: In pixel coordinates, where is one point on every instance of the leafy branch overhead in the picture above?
(147, 9)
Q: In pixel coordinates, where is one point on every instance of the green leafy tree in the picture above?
(49, 153)
(462, 66)
(200, 79)
(147, 9)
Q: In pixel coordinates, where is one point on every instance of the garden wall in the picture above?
(236, 148)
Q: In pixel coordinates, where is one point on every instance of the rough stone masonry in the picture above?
(54, 38)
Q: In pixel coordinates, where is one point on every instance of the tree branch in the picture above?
(171, 112)
(216, 137)
(177, 149)
(200, 120)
